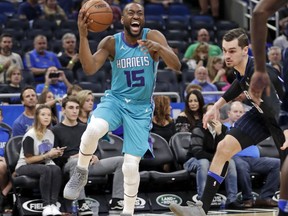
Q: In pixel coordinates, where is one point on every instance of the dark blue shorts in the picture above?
(250, 129)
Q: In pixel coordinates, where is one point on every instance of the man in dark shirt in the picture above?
(68, 134)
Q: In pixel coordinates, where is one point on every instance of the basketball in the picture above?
(101, 14)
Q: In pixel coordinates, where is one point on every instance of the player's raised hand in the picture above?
(82, 23)
(212, 113)
(259, 82)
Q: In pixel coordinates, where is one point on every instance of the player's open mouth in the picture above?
(135, 26)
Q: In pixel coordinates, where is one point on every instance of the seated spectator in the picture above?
(68, 134)
(202, 79)
(55, 81)
(275, 58)
(7, 57)
(212, 4)
(216, 70)
(191, 87)
(192, 114)
(282, 41)
(203, 147)
(53, 11)
(14, 76)
(35, 160)
(200, 56)
(202, 36)
(47, 97)
(165, 3)
(69, 56)
(247, 161)
(162, 122)
(73, 90)
(30, 10)
(86, 105)
(39, 59)
(5, 184)
(29, 100)
(117, 13)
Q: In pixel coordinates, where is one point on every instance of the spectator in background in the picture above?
(117, 13)
(69, 57)
(192, 114)
(86, 105)
(68, 133)
(162, 122)
(14, 76)
(202, 79)
(29, 100)
(165, 3)
(204, 143)
(5, 184)
(191, 87)
(55, 81)
(212, 4)
(53, 11)
(7, 57)
(216, 70)
(39, 59)
(249, 160)
(282, 41)
(30, 10)
(199, 57)
(35, 160)
(202, 36)
(275, 58)
(73, 90)
(47, 97)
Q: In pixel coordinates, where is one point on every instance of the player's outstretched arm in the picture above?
(260, 79)
(157, 43)
(91, 63)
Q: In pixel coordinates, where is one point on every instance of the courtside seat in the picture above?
(23, 186)
(268, 148)
(163, 155)
(180, 143)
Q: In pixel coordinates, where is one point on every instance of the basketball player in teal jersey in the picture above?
(134, 55)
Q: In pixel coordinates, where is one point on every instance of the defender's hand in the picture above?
(259, 82)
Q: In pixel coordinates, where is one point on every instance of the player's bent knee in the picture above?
(96, 129)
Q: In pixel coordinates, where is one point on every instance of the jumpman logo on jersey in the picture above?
(127, 100)
(147, 110)
(122, 47)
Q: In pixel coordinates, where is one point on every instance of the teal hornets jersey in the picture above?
(133, 71)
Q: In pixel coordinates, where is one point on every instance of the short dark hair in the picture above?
(5, 35)
(24, 89)
(237, 33)
(69, 98)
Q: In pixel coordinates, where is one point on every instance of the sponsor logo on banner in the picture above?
(217, 200)
(165, 200)
(35, 205)
(140, 203)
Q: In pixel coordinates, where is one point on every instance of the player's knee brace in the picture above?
(96, 129)
(130, 169)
